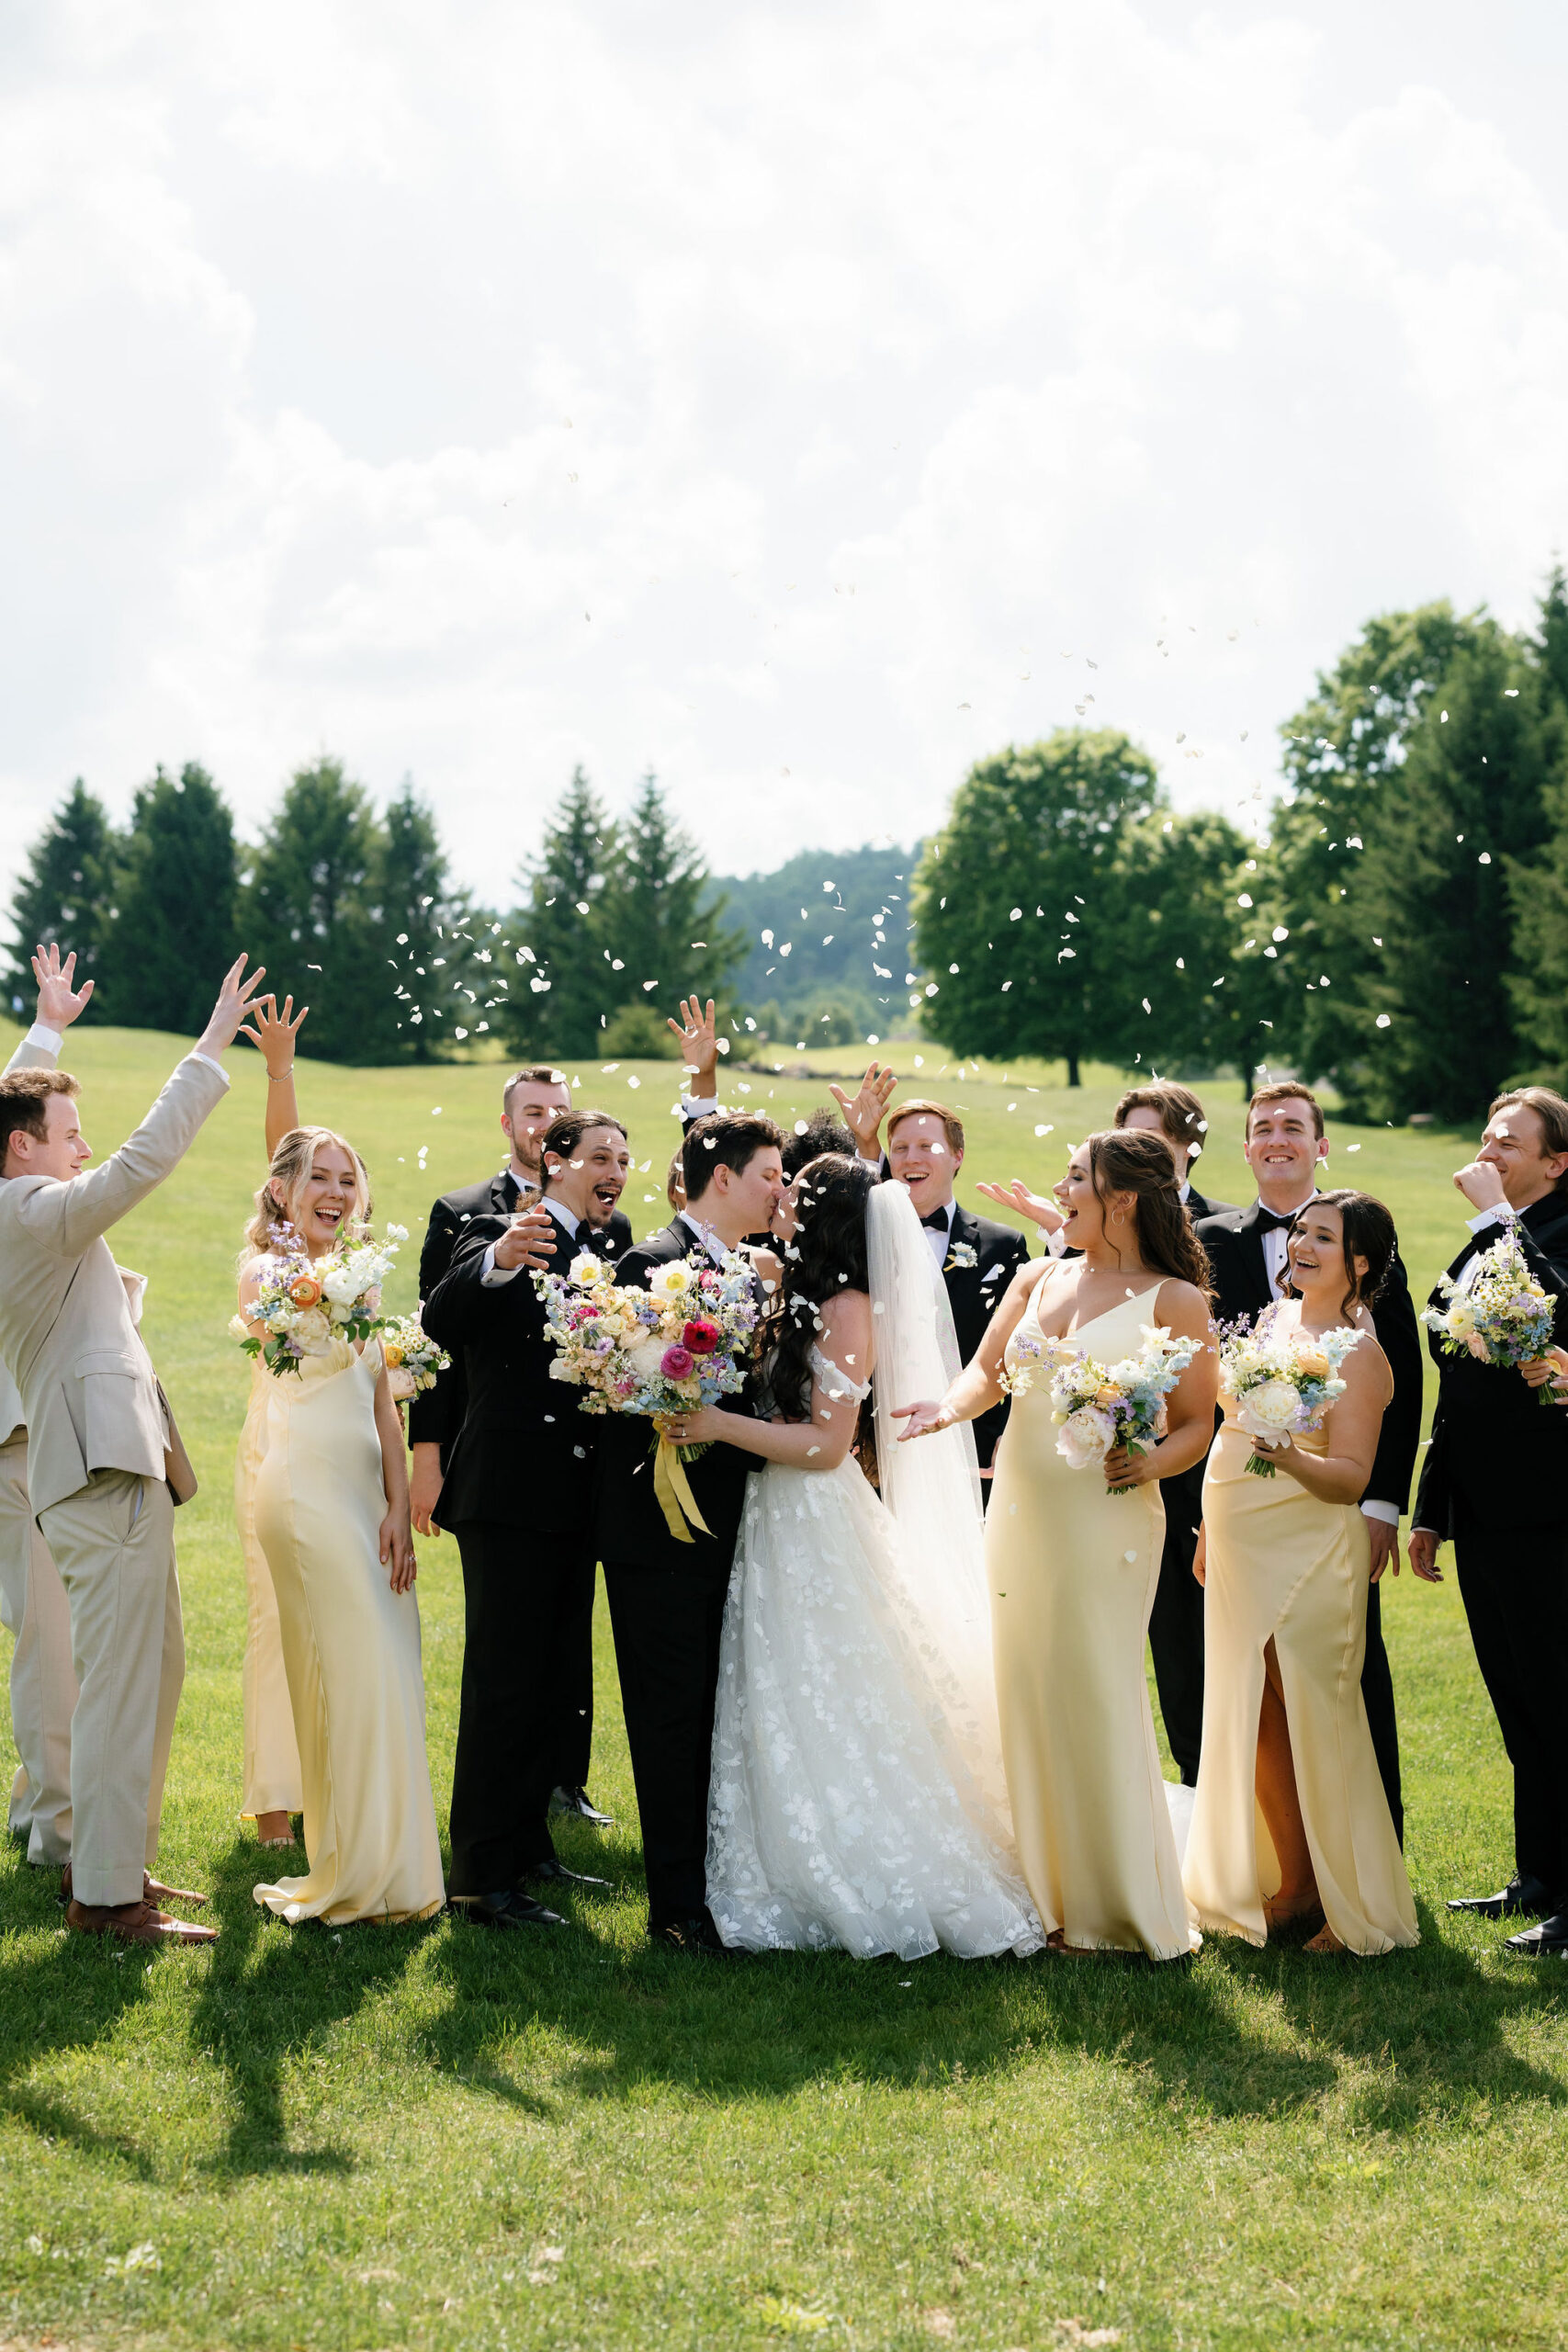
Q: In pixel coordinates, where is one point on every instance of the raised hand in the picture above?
(1018, 1197)
(274, 1031)
(59, 1003)
(1481, 1184)
(698, 1033)
(235, 1001)
(864, 1114)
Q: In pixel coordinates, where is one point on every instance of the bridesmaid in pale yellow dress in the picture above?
(271, 1787)
(1073, 1556)
(332, 1516)
(1287, 1564)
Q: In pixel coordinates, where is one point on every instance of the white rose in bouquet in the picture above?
(1086, 1438)
(644, 1356)
(1267, 1411)
(312, 1333)
(343, 1283)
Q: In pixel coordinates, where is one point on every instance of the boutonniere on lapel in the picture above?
(960, 1257)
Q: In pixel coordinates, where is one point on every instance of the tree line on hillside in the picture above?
(1402, 933)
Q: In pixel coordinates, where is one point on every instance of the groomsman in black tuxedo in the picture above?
(519, 1496)
(531, 1098)
(667, 1597)
(1497, 1483)
(1285, 1146)
(978, 1257)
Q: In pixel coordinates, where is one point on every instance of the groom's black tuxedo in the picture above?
(667, 1608)
(1234, 1242)
(1496, 1481)
(519, 1499)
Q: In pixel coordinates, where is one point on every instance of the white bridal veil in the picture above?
(932, 1486)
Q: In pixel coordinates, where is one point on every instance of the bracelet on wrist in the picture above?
(276, 1076)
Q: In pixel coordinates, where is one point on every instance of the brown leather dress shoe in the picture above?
(135, 1923)
(152, 1890)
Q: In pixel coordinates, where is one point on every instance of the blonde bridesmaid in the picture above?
(1286, 1564)
(271, 1789)
(332, 1518)
(1073, 1556)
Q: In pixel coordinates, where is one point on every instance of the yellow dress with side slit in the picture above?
(1073, 1571)
(1284, 1566)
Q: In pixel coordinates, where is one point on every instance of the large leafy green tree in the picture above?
(175, 926)
(1192, 949)
(1344, 757)
(1468, 817)
(1022, 911)
(66, 895)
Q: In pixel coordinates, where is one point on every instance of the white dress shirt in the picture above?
(704, 1234)
(938, 1236)
(1503, 1217)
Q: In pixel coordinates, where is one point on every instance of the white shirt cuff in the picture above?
(1500, 1214)
(493, 1276)
(699, 1106)
(1387, 1512)
(211, 1065)
(1057, 1241)
(47, 1040)
(870, 1159)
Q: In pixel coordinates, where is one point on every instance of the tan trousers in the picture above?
(113, 1542)
(44, 1683)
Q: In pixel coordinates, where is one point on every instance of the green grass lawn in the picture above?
(431, 2136)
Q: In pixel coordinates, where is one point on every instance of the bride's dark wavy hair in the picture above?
(1130, 1159)
(827, 1256)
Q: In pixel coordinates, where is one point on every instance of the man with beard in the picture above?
(518, 1496)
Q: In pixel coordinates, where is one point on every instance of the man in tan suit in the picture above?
(103, 1454)
(33, 1605)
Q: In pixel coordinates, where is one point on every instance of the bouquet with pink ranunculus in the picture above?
(681, 1343)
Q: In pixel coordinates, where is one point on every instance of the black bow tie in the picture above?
(937, 1221)
(1271, 1221)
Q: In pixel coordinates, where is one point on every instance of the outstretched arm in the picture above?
(979, 1385)
(865, 1113)
(59, 1004)
(697, 1031)
(273, 1032)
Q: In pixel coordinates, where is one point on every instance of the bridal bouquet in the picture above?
(1502, 1316)
(412, 1357)
(1099, 1407)
(1283, 1382)
(668, 1349)
(304, 1305)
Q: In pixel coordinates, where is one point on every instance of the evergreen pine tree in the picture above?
(313, 913)
(657, 921)
(66, 896)
(430, 958)
(1538, 886)
(177, 894)
(565, 982)
(1470, 812)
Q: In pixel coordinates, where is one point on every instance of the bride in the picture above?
(857, 1799)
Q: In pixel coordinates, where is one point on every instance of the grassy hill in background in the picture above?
(826, 910)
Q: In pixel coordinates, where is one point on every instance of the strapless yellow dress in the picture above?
(1073, 1572)
(351, 1646)
(1283, 1564)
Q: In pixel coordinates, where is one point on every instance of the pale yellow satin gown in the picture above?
(351, 1648)
(1073, 1572)
(1283, 1564)
(271, 1779)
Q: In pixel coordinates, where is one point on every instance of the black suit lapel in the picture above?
(1249, 1249)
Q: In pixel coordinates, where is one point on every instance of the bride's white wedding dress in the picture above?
(857, 1799)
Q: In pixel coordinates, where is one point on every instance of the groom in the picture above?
(667, 1598)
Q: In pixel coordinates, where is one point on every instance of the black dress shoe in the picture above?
(557, 1874)
(1522, 1898)
(697, 1934)
(507, 1909)
(1548, 1941)
(582, 1808)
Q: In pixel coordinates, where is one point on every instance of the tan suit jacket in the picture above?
(90, 1398)
(12, 1419)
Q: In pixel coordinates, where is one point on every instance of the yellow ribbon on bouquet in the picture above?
(673, 1489)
